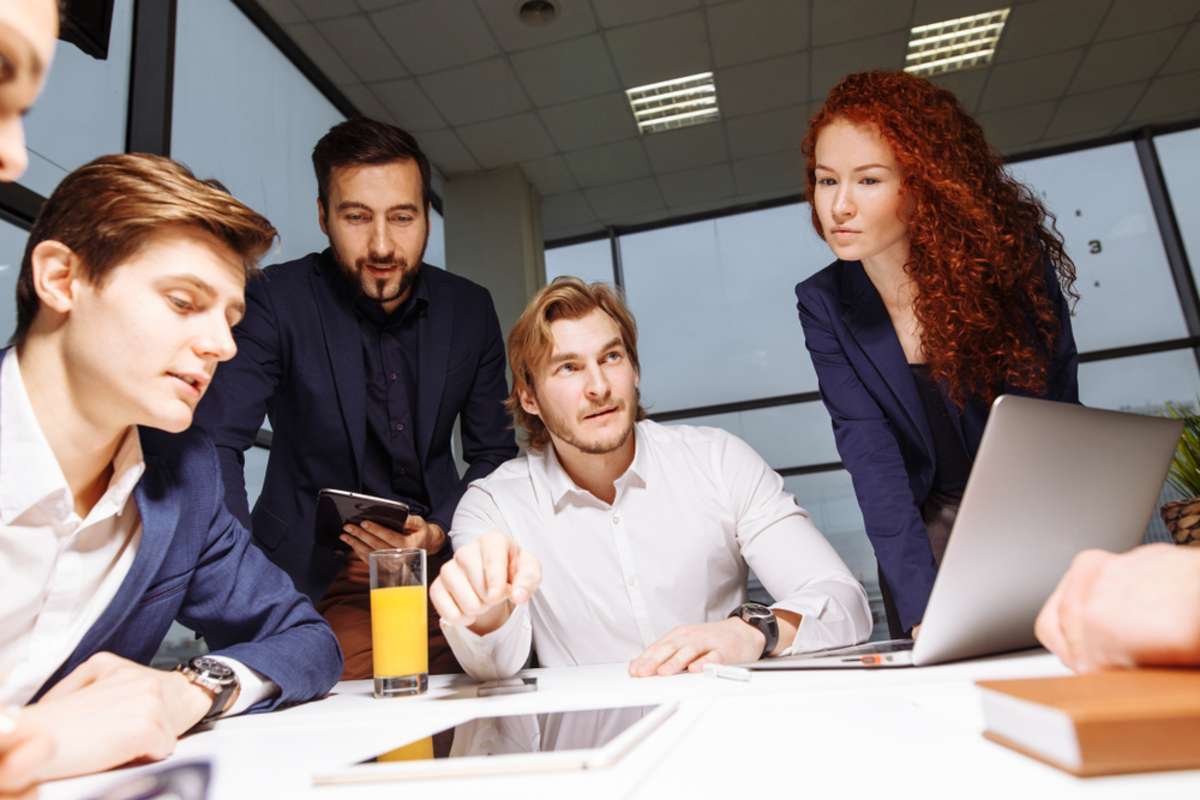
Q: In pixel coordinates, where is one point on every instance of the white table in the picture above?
(904, 733)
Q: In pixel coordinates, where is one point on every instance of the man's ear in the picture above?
(56, 268)
(529, 402)
(321, 217)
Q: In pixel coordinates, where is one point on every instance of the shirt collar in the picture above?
(549, 472)
(30, 473)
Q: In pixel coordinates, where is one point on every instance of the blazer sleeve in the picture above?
(871, 453)
(487, 435)
(249, 610)
(1063, 380)
(235, 405)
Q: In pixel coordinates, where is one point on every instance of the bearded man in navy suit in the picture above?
(112, 520)
(363, 358)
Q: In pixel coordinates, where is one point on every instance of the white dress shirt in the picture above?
(60, 572)
(693, 509)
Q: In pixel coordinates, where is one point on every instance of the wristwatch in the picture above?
(214, 677)
(759, 616)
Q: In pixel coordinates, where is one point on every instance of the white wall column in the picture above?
(494, 236)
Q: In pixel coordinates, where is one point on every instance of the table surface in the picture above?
(908, 732)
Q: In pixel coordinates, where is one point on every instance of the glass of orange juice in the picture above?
(399, 627)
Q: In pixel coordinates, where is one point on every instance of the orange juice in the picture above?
(420, 750)
(399, 631)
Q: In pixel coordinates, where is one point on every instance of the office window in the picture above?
(1104, 213)
(1141, 384)
(435, 249)
(82, 110)
(590, 261)
(12, 248)
(796, 435)
(716, 310)
(249, 119)
(1179, 154)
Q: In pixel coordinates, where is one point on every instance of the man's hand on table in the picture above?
(109, 711)
(484, 582)
(690, 647)
(418, 532)
(23, 751)
(1138, 608)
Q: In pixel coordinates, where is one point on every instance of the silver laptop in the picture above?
(1049, 480)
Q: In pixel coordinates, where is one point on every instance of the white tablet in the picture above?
(521, 743)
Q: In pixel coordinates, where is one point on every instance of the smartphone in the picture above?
(337, 507)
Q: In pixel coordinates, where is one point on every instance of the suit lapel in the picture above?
(343, 346)
(868, 321)
(158, 508)
(436, 329)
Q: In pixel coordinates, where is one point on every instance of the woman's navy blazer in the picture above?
(882, 433)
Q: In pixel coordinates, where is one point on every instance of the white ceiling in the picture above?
(480, 89)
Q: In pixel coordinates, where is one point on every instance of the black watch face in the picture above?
(213, 667)
(756, 611)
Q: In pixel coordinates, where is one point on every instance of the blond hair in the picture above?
(531, 342)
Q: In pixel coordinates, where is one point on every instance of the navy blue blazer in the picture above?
(196, 564)
(879, 423)
(299, 363)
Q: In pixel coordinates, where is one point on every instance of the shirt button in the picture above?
(391, 376)
(616, 519)
(399, 426)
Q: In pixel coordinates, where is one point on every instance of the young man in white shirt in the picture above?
(112, 521)
(618, 539)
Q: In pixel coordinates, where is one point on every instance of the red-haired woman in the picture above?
(948, 290)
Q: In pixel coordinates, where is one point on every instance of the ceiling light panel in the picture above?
(955, 44)
(676, 103)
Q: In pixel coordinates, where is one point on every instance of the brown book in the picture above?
(1100, 724)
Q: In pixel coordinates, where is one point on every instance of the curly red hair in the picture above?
(980, 241)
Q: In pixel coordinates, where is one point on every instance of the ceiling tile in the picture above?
(574, 19)
(1015, 128)
(1024, 82)
(928, 11)
(431, 35)
(408, 105)
(621, 200)
(1093, 111)
(1187, 53)
(707, 185)
(359, 44)
(586, 123)
(550, 175)
(625, 12)
(367, 103)
(446, 150)
(326, 9)
(609, 163)
(1125, 60)
(284, 12)
(660, 50)
(751, 30)
(1048, 26)
(966, 85)
(566, 210)
(780, 174)
(507, 140)
(378, 5)
(770, 132)
(1169, 97)
(831, 64)
(762, 86)
(844, 20)
(566, 71)
(479, 91)
(315, 47)
(1127, 17)
(685, 148)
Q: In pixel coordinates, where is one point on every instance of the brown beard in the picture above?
(554, 426)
